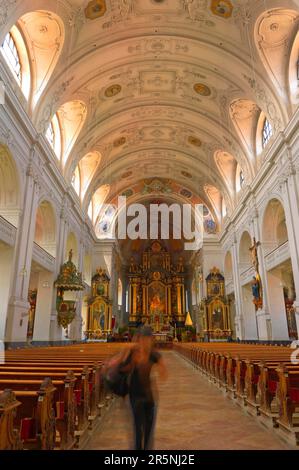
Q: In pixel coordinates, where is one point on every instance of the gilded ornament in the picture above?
(95, 9)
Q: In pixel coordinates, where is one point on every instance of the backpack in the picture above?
(116, 380)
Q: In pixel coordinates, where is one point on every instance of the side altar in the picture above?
(216, 309)
(156, 290)
(99, 320)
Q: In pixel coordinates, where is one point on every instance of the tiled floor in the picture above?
(192, 414)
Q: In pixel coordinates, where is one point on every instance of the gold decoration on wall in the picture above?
(95, 9)
(223, 8)
(99, 306)
(119, 142)
(69, 279)
(202, 89)
(216, 308)
(194, 141)
(157, 289)
(113, 90)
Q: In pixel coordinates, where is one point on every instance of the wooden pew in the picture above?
(9, 435)
(258, 377)
(33, 418)
(77, 395)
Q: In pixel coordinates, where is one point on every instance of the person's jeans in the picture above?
(144, 418)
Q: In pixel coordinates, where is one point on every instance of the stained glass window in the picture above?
(12, 56)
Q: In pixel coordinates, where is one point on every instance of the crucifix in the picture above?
(254, 257)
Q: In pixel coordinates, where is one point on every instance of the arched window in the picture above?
(53, 136)
(242, 179)
(12, 56)
(266, 133)
(50, 134)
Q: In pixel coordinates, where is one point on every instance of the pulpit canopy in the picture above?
(69, 277)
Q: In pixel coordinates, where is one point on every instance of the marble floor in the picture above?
(192, 415)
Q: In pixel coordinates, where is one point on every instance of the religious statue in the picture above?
(254, 257)
(256, 286)
(180, 265)
(256, 292)
(156, 303)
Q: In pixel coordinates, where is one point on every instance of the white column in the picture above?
(239, 318)
(289, 192)
(56, 331)
(75, 330)
(6, 261)
(263, 314)
(18, 308)
(43, 306)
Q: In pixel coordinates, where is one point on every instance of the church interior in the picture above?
(169, 103)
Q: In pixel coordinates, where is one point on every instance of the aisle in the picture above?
(193, 414)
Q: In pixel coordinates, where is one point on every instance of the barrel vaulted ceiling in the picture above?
(167, 89)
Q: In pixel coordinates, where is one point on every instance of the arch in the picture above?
(294, 72)
(9, 187)
(215, 198)
(85, 171)
(39, 37)
(98, 200)
(72, 244)
(244, 250)
(15, 53)
(45, 228)
(274, 228)
(245, 114)
(44, 35)
(228, 267)
(227, 166)
(66, 124)
(71, 117)
(274, 31)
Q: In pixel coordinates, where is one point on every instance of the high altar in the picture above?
(156, 290)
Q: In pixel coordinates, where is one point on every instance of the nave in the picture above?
(192, 414)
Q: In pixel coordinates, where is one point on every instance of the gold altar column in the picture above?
(180, 298)
(144, 299)
(168, 300)
(133, 299)
(109, 318)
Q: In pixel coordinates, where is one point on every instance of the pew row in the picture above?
(261, 379)
(51, 397)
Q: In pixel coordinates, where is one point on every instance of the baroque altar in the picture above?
(99, 321)
(156, 290)
(216, 309)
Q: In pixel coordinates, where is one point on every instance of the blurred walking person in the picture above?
(142, 392)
